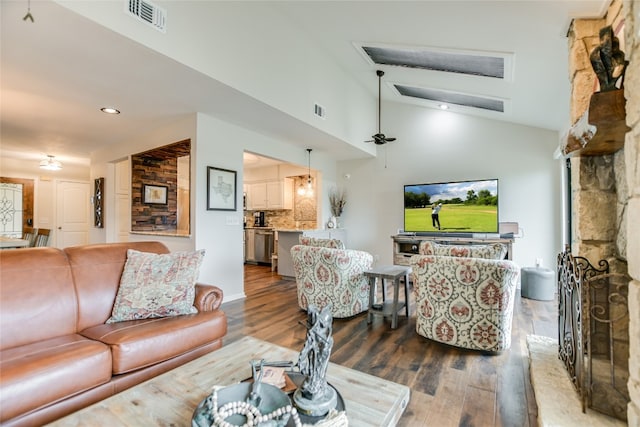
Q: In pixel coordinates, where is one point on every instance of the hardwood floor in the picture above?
(449, 386)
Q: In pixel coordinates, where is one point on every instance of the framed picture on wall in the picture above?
(221, 189)
(154, 194)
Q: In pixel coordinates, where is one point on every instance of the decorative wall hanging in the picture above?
(98, 202)
(221, 189)
(154, 194)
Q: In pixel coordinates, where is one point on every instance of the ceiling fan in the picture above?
(379, 138)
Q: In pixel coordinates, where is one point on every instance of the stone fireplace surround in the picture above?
(606, 189)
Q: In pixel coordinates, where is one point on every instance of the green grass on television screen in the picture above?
(454, 218)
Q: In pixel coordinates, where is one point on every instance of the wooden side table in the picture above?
(393, 273)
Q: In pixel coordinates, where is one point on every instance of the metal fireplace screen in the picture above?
(594, 332)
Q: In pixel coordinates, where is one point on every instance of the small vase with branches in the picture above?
(337, 200)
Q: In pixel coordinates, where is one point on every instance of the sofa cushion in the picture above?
(38, 374)
(157, 285)
(488, 251)
(139, 343)
(97, 270)
(322, 243)
(38, 298)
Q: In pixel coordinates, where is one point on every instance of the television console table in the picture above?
(406, 245)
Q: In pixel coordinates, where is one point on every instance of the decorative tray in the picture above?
(239, 392)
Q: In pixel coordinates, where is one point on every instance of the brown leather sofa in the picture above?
(57, 355)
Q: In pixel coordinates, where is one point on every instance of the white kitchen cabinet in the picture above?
(270, 195)
(257, 196)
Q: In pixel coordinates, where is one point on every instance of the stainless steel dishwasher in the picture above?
(263, 246)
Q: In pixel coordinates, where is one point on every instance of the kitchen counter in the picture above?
(287, 238)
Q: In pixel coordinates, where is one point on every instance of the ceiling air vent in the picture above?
(319, 111)
(149, 13)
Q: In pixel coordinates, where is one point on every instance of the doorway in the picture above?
(16, 205)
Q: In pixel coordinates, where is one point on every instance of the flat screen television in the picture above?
(451, 207)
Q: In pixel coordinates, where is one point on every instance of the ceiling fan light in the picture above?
(50, 164)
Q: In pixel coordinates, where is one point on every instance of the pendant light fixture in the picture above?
(308, 189)
(50, 163)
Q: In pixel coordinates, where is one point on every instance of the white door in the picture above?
(123, 213)
(122, 200)
(73, 214)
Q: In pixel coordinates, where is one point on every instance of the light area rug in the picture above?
(558, 401)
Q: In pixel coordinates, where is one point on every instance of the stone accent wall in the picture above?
(631, 13)
(147, 217)
(606, 197)
(599, 185)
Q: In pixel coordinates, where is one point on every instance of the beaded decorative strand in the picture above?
(251, 413)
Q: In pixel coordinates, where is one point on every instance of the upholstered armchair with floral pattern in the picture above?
(465, 302)
(332, 276)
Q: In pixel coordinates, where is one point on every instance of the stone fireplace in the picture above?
(605, 199)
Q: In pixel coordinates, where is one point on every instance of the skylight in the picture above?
(445, 97)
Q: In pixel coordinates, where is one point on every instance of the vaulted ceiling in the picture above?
(58, 71)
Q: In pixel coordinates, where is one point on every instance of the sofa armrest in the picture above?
(208, 297)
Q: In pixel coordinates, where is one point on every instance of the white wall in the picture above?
(437, 146)
(221, 144)
(278, 68)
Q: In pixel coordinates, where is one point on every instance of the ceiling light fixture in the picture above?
(308, 190)
(443, 106)
(50, 163)
(110, 110)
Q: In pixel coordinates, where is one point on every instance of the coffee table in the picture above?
(170, 399)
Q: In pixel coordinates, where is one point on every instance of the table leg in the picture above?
(394, 315)
(406, 294)
(384, 290)
(372, 297)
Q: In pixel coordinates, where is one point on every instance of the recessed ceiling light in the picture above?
(443, 106)
(110, 110)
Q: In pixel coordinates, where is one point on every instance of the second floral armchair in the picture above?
(465, 302)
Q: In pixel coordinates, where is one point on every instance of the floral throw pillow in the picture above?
(157, 285)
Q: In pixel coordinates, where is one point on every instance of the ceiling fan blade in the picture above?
(390, 139)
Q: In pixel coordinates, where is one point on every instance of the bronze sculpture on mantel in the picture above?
(608, 61)
(601, 129)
